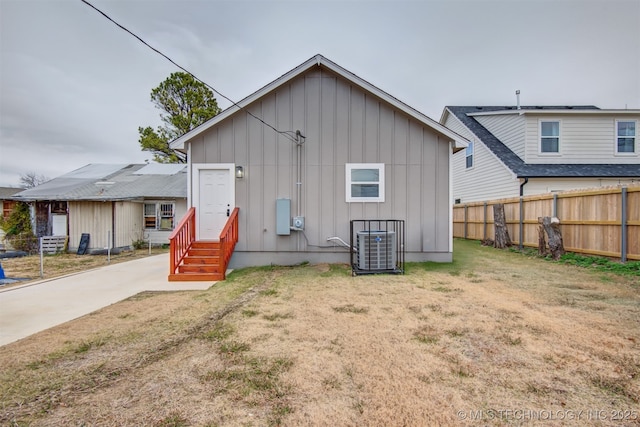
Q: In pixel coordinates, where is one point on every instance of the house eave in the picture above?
(590, 171)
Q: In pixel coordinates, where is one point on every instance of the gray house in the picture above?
(116, 204)
(311, 151)
(541, 149)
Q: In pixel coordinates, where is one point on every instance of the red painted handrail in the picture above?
(181, 239)
(229, 238)
(184, 235)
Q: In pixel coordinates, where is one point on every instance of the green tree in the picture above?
(187, 103)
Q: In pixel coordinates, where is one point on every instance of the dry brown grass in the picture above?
(495, 334)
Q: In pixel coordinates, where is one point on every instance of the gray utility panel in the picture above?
(283, 217)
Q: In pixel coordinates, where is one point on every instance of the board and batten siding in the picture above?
(127, 224)
(507, 128)
(342, 124)
(487, 176)
(89, 217)
(583, 139)
(121, 221)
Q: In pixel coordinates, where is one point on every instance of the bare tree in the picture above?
(32, 179)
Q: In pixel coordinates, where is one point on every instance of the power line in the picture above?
(285, 133)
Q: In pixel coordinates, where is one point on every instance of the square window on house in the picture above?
(625, 136)
(150, 215)
(364, 182)
(469, 155)
(166, 216)
(159, 216)
(550, 137)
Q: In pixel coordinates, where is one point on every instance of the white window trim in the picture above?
(472, 144)
(634, 153)
(547, 153)
(158, 214)
(155, 215)
(351, 166)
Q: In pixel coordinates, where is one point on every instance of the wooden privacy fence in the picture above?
(599, 222)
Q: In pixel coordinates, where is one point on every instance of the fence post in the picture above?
(521, 229)
(555, 205)
(41, 260)
(623, 227)
(484, 219)
(465, 220)
(108, 246)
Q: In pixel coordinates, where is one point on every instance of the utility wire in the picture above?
(287, 134)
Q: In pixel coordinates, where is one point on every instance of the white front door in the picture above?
(213, 198)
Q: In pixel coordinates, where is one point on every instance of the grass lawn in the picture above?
(494, 338)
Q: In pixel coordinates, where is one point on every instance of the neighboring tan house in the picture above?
(343, 150)
(6, 206)
(532, 150)
(116, 204)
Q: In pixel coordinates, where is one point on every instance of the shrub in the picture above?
(17, 228)
(139, 244)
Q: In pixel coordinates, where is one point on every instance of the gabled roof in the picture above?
(322, 62)
(523, 170)
(109, 182)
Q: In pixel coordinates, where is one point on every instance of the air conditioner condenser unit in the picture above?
(376, 250)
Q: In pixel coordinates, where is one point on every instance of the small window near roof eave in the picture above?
(364, 182)
(549, 136)
(469, 155)
(626, 137)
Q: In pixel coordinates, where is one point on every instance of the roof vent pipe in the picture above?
(518, 98)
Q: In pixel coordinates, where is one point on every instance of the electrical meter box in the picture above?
(298, 222)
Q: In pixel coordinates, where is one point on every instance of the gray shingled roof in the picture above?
(8, 191)
(523, 170)
(110, 182)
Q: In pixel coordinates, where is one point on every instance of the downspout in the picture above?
(522, 186)
(189, 177)
(299, 142)
(113, 224)
(521, 221)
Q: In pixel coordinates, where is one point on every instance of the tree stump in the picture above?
(552, 228)
(502, 239)
(542, 241)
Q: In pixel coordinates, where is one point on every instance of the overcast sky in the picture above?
(74, 87)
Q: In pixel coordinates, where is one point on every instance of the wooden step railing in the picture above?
(184, 236)
(181, 240)
(229, 238)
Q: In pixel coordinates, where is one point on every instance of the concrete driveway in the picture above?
(36, 306)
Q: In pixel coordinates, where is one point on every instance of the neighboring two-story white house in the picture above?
(532, 150)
